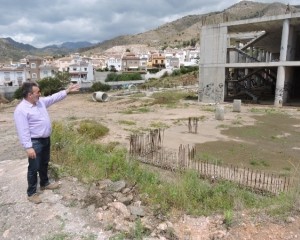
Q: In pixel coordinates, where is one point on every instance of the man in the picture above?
(34, 128)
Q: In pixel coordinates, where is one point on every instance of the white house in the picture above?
(98, 61)
(47, 70)
(114, 61)
(63, 64)
(12, 75)
(172, 62)
(81, 72)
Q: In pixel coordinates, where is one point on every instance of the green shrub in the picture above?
(92, 129)
(153, 70)
(18, 94)
(184, 70)
(114, 77)
(98, 86)
(166, 74)
(50, 85)
(168, 97)
(175, 73)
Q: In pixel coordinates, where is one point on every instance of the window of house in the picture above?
(34, 76)
(85, 69)
(45, 72)
(19, 76)
(6, 76)
(74, 69)
(33, 65)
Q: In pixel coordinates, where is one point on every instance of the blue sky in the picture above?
(44, 22)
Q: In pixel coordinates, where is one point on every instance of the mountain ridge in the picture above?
(179, 33)
(11, 50)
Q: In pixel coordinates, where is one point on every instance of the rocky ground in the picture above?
(105, 209)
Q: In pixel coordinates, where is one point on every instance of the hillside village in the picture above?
(82, 68)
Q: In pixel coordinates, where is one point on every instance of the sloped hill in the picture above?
(186, 30)
(12, 51)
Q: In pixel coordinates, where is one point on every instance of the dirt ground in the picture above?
(123, 115)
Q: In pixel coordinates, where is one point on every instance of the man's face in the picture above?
(34, 96)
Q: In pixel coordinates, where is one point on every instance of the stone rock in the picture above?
(116, 186)
(218, 234)
(104, 183)
(126, 190)
(121, 209)
(117, 195)
(163, 226)
(290, 220)
(137, 211)
(126, 199)
(123, 226)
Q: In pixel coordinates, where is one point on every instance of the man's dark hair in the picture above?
(27, 88)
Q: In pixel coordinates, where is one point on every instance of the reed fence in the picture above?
(148, 148)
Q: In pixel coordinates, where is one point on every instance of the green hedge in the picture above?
(98, 86)
(114, 77)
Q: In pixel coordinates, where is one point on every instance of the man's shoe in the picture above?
(34, 199)
(50, 186)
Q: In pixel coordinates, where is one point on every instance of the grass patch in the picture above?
(266, 110)
(208, 108)
(237, 121)
(127, 122)
(59, 236)
(207, 157)
(88, 161)
(223, 126)
(158, 125)
(258, 146)
(263, 163)
(72, 118)
(137, 95)
(92, 129)
(228, 218)
(169, 98)
(136, 110)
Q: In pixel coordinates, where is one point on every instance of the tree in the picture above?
(50, 85)
(63, 77)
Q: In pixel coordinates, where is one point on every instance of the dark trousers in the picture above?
(38, 165)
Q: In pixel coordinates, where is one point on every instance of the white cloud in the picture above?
(44, 22)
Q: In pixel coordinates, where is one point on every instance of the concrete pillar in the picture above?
(237, 105)
(284, 40)
(279, 86)
(259, 55)
(219, 114)
(281, 69)
(237, 55)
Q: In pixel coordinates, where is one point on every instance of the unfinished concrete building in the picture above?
(254, 59)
